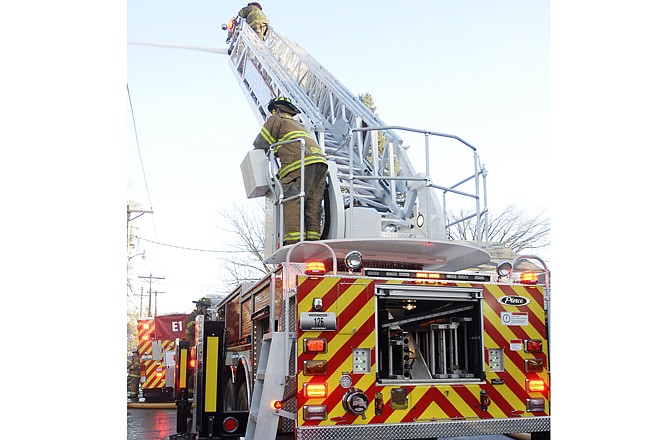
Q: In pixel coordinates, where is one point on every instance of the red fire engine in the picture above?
(156, 345)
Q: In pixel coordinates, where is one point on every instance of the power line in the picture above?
(191, 249)
(139, 152)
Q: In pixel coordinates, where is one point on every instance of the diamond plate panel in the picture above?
(456, 428)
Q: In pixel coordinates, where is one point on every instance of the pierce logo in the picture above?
(514, 300)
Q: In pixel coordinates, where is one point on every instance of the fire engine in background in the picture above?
(157, 342)
(384, 328)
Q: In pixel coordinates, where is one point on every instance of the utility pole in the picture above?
(151, 279)
(156, 302)
(142, 295)
(130, 212)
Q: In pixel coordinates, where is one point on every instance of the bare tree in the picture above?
(511, 228)
(245, 225)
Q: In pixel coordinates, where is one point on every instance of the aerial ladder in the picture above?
(373, 189)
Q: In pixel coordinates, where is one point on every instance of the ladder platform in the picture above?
(449, 256)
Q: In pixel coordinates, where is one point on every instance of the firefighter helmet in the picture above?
(204, 301)
(258, 5)
(285, 103)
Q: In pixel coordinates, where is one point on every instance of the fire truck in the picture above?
(384, 328)
(157, 339)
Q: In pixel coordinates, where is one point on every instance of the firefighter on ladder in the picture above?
(281, 126)
(253, 14)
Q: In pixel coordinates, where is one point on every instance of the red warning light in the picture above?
(532, 345)
(316, 345)
(230, 424)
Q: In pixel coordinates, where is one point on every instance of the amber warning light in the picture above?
(316, 390)
(528, 278)
(534, 385)
(315, 268)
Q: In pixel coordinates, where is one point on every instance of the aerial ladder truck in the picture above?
(384, 328)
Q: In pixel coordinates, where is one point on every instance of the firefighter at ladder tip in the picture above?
(281, 126)
(253, 14)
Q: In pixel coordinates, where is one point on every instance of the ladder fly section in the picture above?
(380, 193)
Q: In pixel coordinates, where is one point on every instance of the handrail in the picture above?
(280, 200)
(427, 178)
(288, 266)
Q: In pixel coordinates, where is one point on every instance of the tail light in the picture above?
(532, 345)
(316, 390)
(315, 345)
(535, 385)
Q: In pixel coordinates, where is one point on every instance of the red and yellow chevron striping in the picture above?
(353, 302)
(152, 366)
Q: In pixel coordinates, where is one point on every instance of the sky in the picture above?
(68, 158)
(476, 69)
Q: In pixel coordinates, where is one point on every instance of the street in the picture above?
(159, 424)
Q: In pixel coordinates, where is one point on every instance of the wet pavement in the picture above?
(151, 424)
(159, 424)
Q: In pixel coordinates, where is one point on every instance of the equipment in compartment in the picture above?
(430, 339)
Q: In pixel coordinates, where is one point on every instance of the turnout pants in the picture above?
(315, 185)
(133, 386)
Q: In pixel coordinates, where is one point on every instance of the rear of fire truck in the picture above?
(157, 337)
(406, 353)
(381, 352)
